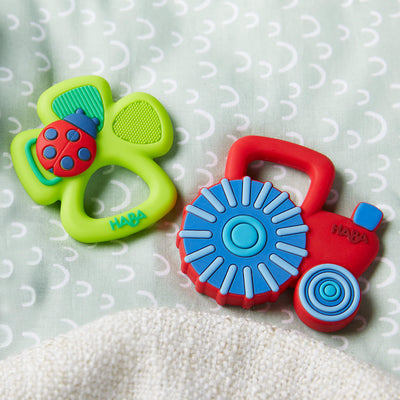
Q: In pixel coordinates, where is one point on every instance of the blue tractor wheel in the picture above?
(327, 297)
(244, 238)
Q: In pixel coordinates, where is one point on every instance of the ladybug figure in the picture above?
(67, 147)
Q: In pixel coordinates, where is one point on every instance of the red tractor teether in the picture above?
(244, 242)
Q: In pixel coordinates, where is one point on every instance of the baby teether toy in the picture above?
(243, 242)
(84, 131)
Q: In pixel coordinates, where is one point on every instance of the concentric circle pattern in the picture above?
(329, 293)
(244, 237)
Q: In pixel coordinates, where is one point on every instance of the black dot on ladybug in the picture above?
(49, 152)
(51, 134)
(67, 163)
(84, 154)
(73, 135)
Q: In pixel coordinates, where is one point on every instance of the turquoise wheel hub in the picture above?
(244, 236)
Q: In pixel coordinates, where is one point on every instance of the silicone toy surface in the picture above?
(84, 131)
(244, 242)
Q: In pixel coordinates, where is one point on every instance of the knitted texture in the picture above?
(173, 354)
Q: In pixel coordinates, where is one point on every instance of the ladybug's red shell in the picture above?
(64, 149)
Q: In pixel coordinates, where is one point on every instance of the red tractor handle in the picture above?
(317, 166)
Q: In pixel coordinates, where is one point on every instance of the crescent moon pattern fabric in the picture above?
(323, 75)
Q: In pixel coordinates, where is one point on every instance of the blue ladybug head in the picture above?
(82, 121)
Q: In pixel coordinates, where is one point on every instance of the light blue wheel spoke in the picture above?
(283, 216)
(292, 230)
(268, 277)
(262, 195)
(201, 213)
(275, 203)
(229, 277)
(248, 282)
(194, 234)
(281, 263)
(213, 200)
(246, 191)
(218, 261)
(204, 251)
(230, 196)
(288, 248)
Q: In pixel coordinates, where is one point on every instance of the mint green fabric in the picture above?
(322, 74)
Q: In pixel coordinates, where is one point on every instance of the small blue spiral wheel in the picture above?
(244, 238)
(328, 296)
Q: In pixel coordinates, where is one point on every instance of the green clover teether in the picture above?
(84, 131)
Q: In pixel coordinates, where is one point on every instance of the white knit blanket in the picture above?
(172, 354)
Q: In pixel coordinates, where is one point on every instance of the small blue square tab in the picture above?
(367, 216)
